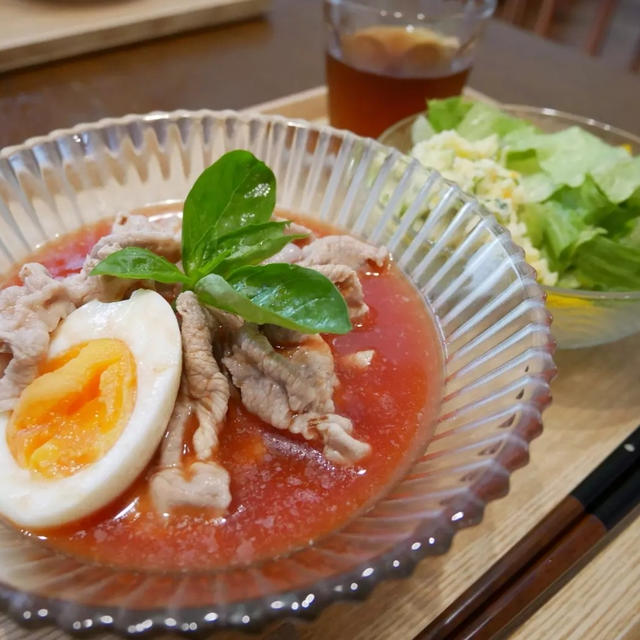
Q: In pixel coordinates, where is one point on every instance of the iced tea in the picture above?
(380, 74)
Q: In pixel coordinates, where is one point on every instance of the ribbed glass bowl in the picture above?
(580, 318)
(490, 311)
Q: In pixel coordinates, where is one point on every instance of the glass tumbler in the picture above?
(385, 58)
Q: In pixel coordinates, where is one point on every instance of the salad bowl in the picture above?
(581, 318)
(488, 308)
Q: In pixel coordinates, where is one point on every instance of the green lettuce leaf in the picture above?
(483, 120)
(618, 180)
(534, 217)
(605, 264)
(567, 156)
(631, 237)
(587, 201)
(596, 209)
(537, 187)
(448, 113)
(525, 162)
(559, 230)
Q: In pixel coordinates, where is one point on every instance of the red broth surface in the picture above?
(285, 494)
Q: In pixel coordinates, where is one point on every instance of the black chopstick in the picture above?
(515, 583)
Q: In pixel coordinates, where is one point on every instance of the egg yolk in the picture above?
(74, 412)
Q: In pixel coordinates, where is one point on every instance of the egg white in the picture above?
(148, 326)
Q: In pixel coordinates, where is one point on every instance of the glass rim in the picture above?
(482, 13)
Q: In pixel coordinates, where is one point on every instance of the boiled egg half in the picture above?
(89, 424)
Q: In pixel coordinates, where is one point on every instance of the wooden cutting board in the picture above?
(36, 31)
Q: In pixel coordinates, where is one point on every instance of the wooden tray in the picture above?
(596, 404)
(312, 104)
(35, 31)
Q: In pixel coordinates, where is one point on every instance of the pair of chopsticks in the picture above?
(540, 563)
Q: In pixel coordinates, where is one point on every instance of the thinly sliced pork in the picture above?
(204, 392)
(28, 315)
(343, 250)
(292, 388)
(128, 231)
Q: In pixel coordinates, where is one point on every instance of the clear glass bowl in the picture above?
(490, 311)
(580, 318)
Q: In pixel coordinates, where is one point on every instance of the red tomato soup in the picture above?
(66, 254)
(284, 493)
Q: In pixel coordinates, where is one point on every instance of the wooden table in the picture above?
(597, 397)
(243, 64)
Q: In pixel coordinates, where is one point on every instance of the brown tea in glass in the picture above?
(386, 58)
(385, 73)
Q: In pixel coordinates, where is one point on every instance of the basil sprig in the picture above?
(227, 232)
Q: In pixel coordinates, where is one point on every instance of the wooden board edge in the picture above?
(114, 35)
(311, 104)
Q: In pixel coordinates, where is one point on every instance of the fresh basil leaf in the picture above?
(250, 245)
(211, 265)
(283, 294)
(235, 191)
(139, 264)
